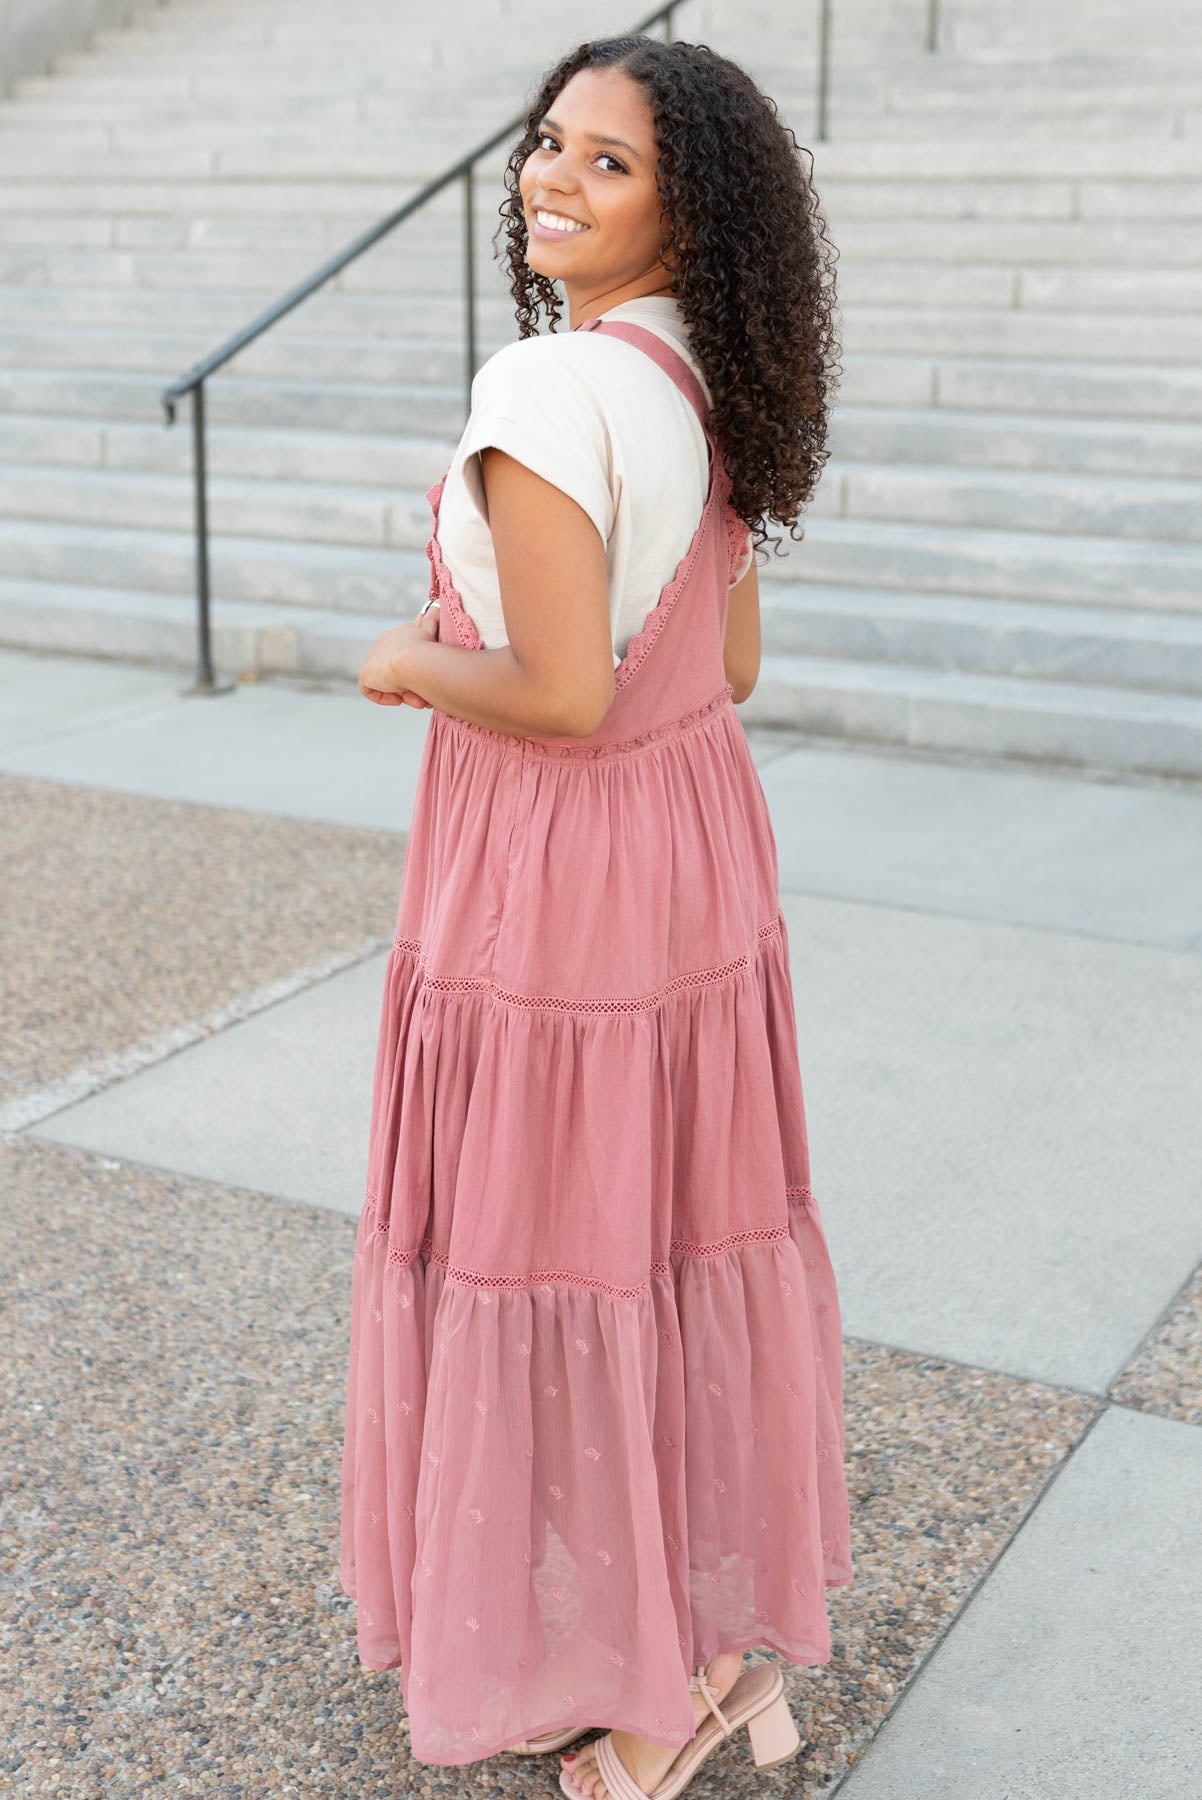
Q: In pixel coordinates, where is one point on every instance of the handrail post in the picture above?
(469, 278)
(824, 57)
(206, 681)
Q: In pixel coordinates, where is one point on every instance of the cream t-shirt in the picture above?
(596, 417)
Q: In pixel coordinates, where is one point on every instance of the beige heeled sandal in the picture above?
(757, 1700)
(549, 1740)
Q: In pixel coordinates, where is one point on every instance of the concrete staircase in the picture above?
(1004, 556)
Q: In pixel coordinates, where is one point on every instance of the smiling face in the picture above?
(591, 177)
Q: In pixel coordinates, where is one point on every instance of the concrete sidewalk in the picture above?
(998, 984)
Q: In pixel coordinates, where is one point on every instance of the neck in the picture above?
(591, 306)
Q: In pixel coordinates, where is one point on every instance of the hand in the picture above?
(377, 677)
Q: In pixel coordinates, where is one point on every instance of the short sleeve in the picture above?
(532, 400)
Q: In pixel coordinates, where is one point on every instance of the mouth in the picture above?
(547, 223)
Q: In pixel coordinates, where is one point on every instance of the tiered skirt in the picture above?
(594, 1426)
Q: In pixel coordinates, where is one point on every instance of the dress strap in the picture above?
(669, 360)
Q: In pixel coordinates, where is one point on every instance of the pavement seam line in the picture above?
(87, 1079)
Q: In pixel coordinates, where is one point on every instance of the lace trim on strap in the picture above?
(549, 1279)
(737, 535)
(564, 1003)
(550, 751)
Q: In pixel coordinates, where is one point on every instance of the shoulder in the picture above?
(545, 357)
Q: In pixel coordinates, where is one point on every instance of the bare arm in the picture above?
(555, 677)
(741, 651)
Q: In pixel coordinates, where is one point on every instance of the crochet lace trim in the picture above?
(583, 1003)
(550, 751)
(443, 589)
(548, 1279)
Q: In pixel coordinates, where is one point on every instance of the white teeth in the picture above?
(553, 222)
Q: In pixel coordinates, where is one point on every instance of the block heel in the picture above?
(774, 1736)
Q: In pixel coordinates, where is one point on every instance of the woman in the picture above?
(594, 1434)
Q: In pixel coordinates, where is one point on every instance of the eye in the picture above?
(546, 136)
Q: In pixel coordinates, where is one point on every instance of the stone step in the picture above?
(1040, 347)
(1036, 119)
(992, 716)
(1020, 441)
(939, 710)
(1029, 565)
(346, 208)
(313, 571)
(1117, 647)
(894, 436)
(963, 335)
(1112, 506)
(301, 511)
(379, 460)
(1104, 243)
(240, 400)
(331, 577)
(1047, 156)
(1109, 508)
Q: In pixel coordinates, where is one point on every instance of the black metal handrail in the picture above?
(464, 170)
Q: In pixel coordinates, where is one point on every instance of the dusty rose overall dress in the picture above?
(594, 1428)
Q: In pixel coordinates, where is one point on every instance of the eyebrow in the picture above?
(594, 138)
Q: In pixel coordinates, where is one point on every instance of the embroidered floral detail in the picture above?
(799, 1586)
(404, 1406)
(550, 1391)
(582, 1346)
(475, 1515)
(800, 1492)
(673, 1541)
(761, 1617)
(715, 1578)
(615, 1658)
(591, 1451)
(557, 1594)
(605, 1557)
(714, 1388)
(433, 1457)
(824, 1454)
(472, 1623)
(523, 1349)
(761, 1523)
(719, 1484)
(482, 1406)
(556, 1493)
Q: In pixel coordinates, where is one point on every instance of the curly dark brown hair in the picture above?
(754, 268)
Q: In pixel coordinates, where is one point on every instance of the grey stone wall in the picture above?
(34, 31)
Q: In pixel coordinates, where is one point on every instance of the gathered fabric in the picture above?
(594, 1418)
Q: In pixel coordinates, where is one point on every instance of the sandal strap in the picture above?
(699, 1685)
(618, 1779)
